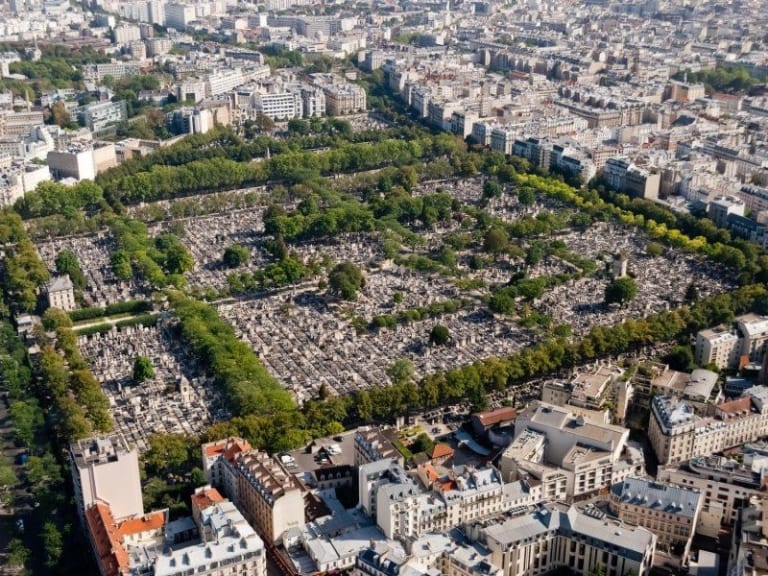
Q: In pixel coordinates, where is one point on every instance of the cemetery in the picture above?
(312, 340)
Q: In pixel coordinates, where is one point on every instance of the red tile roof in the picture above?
(441, 450)
(496, 416)
(107, 535)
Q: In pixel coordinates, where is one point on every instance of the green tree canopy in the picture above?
(68, 263)
(142, 369)
(620, 291)
(496, 241)
(345, 280)
(235, 256)
(439, 335)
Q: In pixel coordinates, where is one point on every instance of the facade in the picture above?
(722, 207)
(670, 512)
(671, 430)
(677, 433)
(373, 444)
(570, 455)
(341, 99)
(547, 537)
(179, 15)
(106, 470)
(623, 176)
(216, 541)
(82, 161)
(442, 500)
(718, 346)
(99, 116)
(723, 484)
(749, 548)
(282, 106)
(726, 346)
(229, 545)
(271, 499)
(61, 293)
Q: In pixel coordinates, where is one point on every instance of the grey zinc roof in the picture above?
(658, 496)
(631, 541)
(60, 284)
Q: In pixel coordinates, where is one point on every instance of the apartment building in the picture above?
(551, 536)
(724, 485)
(723, 206)
(106, 470)
(718, 346)
(670, 512)
(373, 444)
(671, 429)
(281, 106)
(571, 455)
(406, 509)
(99, 116)
(677, 433)
(341, 99)
(216, 541)
(82, 160)
(623, 176)
(215, 454)
(270, 498)
(749, 548)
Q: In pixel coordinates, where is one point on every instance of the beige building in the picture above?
(82, 160)
(270, 498)
(677, 433)
(373, 444)
(61, 293)
(343, 99)
(106, 470)
(670, 512)
(724, 484)
(547, 537)
(571, 455)
(671, 429)
(725, 346)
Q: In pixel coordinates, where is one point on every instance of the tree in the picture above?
(142, 369)
(620, 291)
(7, 475)
(526, 196)
(52, 543)
(264, 123)
(654, 249)
(422, 443)
(439, 335)
(60, 115)
(400, 371)
(18, 554)
(298, 126)
(67, 263)
(236, 255)
(496, 241)
(492, 189)
(680, 358)
(345, 280)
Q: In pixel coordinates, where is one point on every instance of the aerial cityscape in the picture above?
(384, 288)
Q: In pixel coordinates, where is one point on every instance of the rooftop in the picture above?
(657, 496)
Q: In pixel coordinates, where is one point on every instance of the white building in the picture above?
(106, 470)
(570, 454)
(282, 106)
